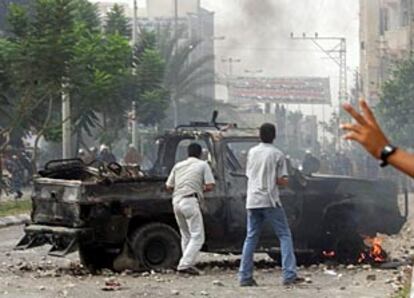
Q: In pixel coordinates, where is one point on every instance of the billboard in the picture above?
(165, 8)
(284, 90)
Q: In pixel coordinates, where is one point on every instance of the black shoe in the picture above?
(189, 271)
(249, 283)
(294, 281)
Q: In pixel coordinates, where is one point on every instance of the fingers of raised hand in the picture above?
(352, 127)
(366, 110)
(358, 117)
(352, 136)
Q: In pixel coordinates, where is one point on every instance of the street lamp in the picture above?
(230, 61)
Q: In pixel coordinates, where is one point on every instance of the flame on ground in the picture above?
(375, 253)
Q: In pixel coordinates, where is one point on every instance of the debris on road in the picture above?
(330, 272)
(175, 292)
(111, 284)
(218, 283)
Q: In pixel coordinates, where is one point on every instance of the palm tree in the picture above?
(183, 76)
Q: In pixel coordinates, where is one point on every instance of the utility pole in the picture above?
(134, 129)
(175, 17)
(230, 61)
(66, 123)
(134, 24)
(338, 55)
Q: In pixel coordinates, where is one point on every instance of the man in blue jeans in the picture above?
(266, 170)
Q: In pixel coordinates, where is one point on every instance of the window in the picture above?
(182, 153)
(236, 155)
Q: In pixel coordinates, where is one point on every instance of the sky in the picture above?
(258, 33)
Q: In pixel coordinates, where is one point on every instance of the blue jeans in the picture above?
(278, 220)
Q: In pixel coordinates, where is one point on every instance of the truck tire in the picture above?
(95, 258)
(156, 246)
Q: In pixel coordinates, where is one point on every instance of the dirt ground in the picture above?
(33, 274)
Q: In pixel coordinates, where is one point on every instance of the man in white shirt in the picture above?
(266, 170)
(189, 179)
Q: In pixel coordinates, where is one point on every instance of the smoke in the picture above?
(258, 33)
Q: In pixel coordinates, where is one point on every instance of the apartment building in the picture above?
(386, 37)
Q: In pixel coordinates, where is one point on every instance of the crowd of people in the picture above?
(104, 155)
(337, 164)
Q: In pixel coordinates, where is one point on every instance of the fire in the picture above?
(329, 253)
(375, 253)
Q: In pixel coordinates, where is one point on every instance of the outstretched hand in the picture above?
(366, 130)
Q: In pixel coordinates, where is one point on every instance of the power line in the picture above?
(266, 49)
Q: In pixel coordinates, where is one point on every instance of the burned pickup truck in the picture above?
(122, 218)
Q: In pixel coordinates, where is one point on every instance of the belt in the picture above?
(193, 195)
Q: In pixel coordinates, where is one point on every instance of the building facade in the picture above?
(386, 37)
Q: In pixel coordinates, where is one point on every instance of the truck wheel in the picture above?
(156, 246)
(95, 258)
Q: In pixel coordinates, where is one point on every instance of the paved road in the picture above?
(32, 274)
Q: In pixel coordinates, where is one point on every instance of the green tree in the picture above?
(117, 22)
(184, 76)
(396, 105)
(86, 13)
(152, 98)
(100, 72)
(60, 46)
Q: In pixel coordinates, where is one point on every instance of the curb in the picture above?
(15, 220)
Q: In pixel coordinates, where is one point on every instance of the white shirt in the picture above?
(189, 176)
(265, 163)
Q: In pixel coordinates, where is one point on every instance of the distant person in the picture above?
(16, 170)
(189, 179)
(369, 134)
(325, 167)
(346, 164)
(340, 164)
(82, 155)
(266, 171)
(105, 155)
(132, 156)
(204, 154)
(310, 163)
